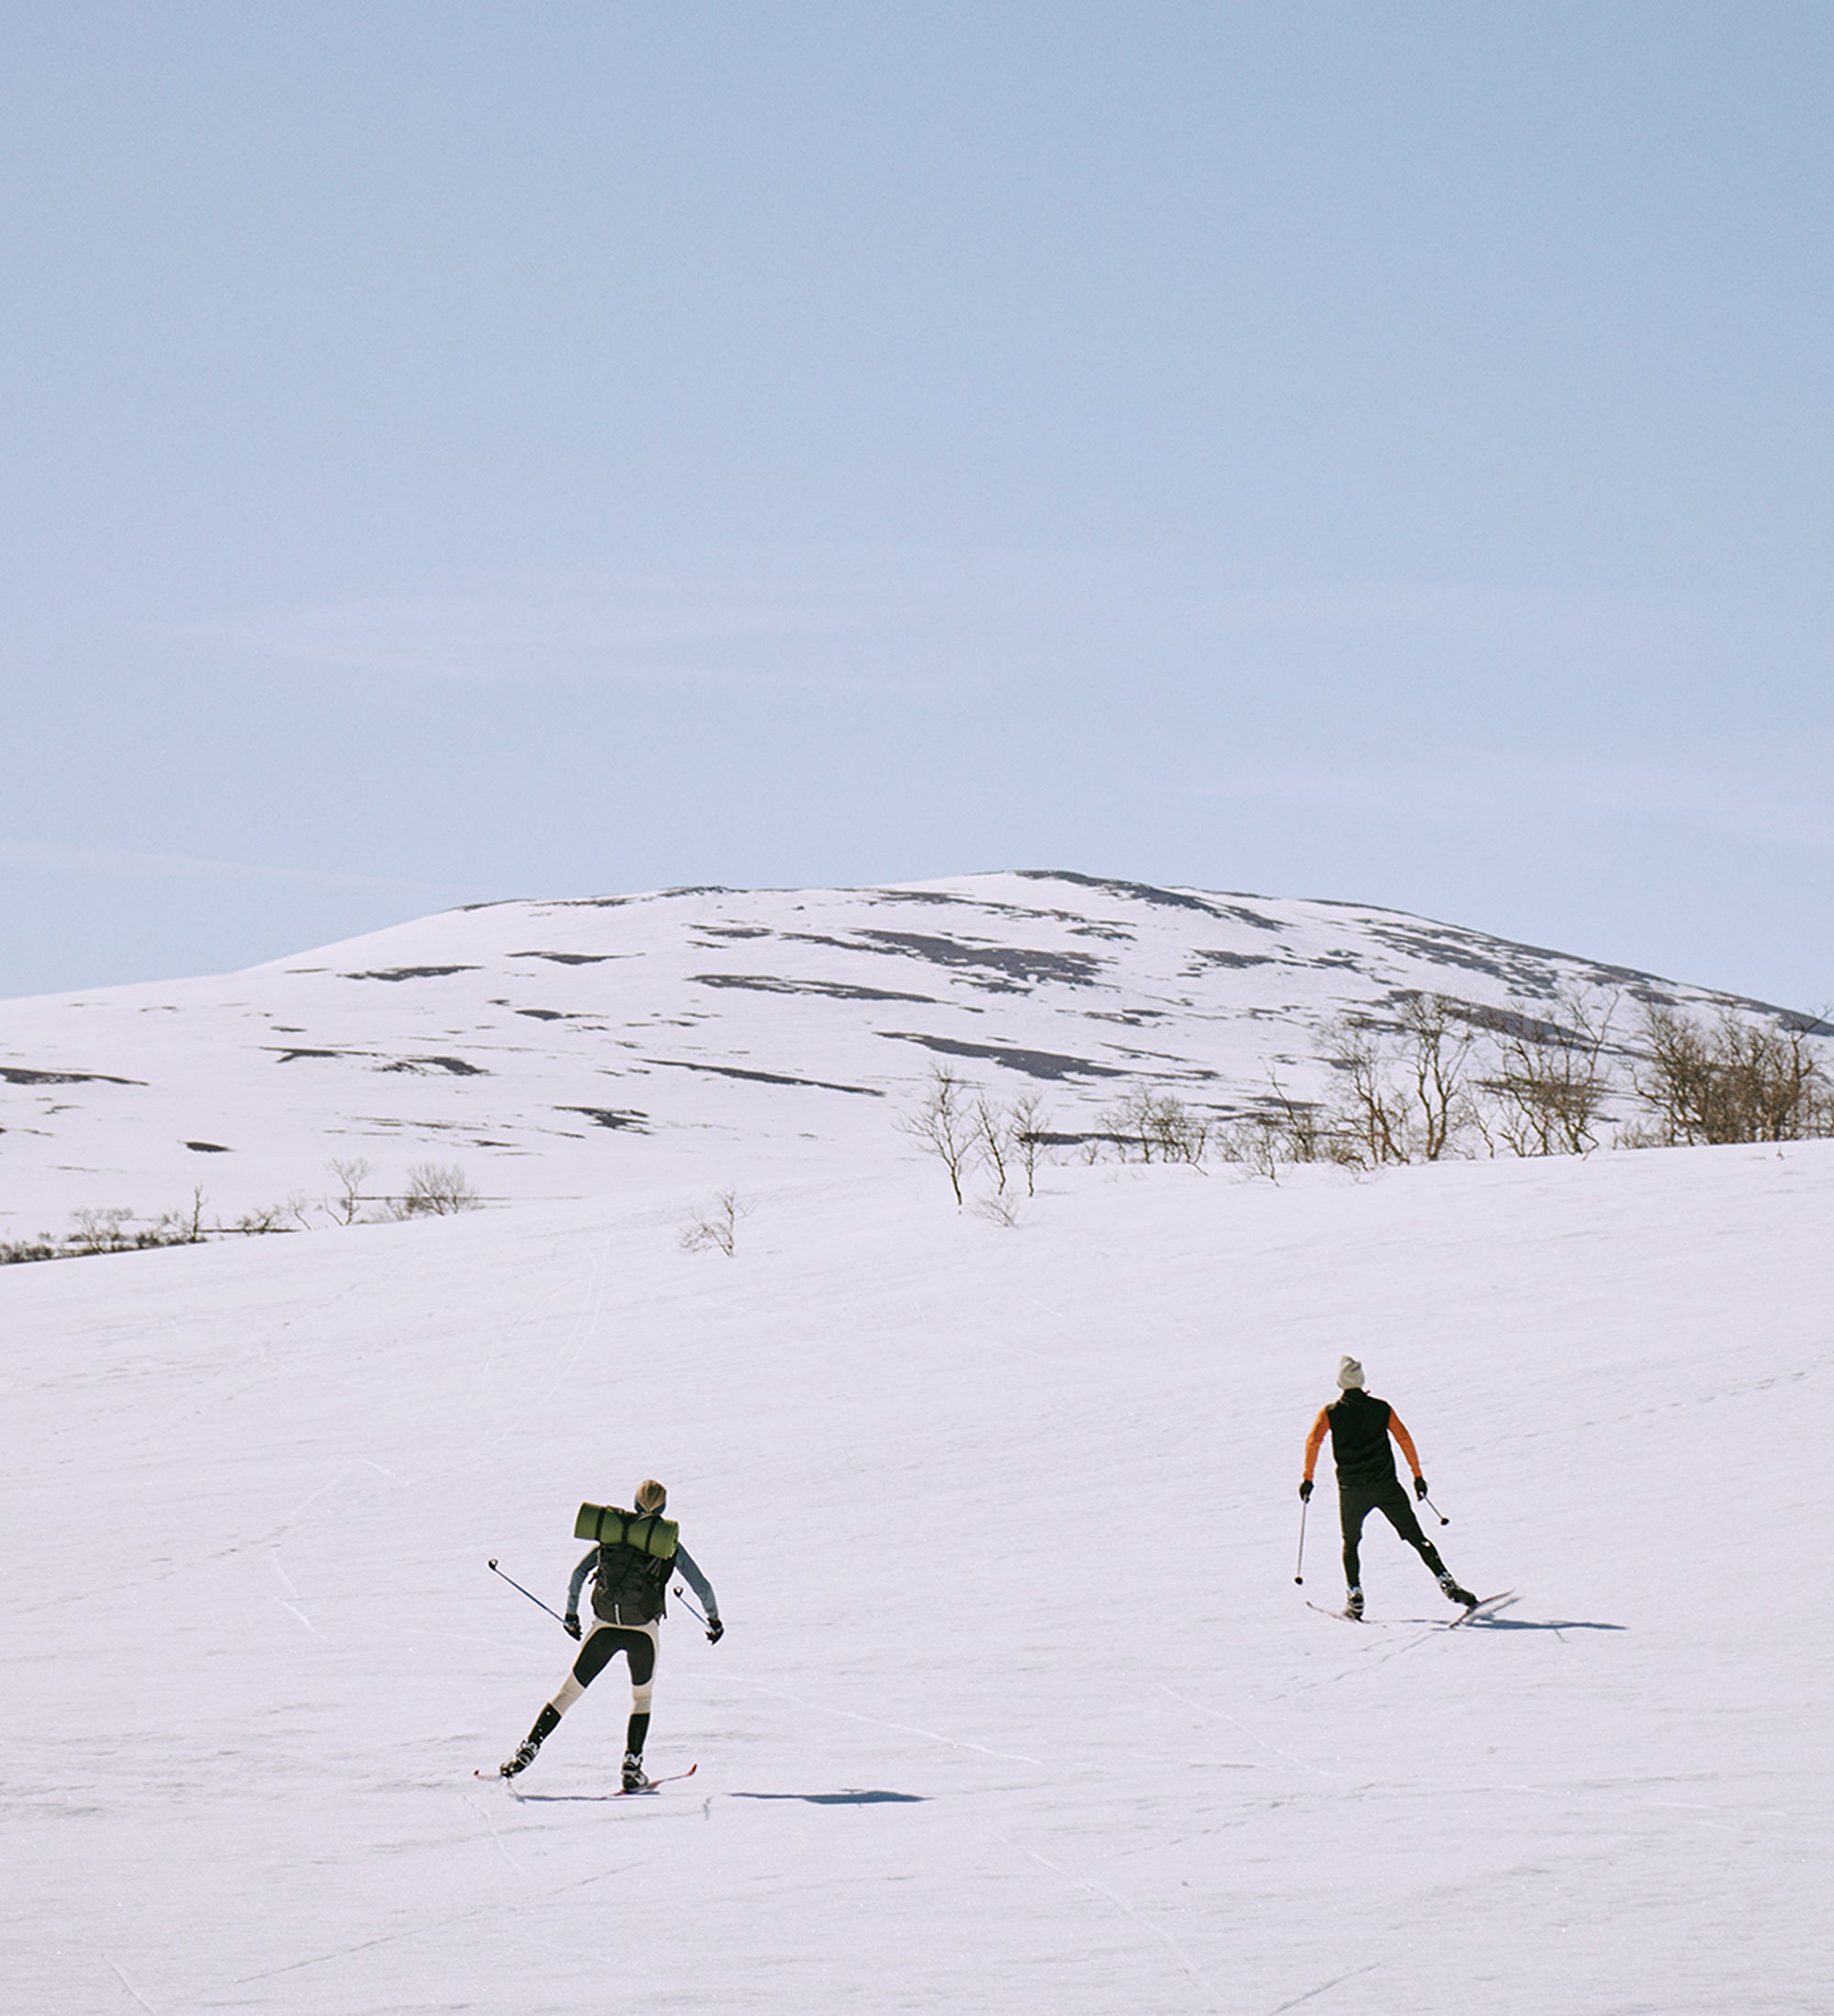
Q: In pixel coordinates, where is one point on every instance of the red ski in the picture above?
(649, 1785)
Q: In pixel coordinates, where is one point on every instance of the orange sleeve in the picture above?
(1406, 1440)
(1313, 1440)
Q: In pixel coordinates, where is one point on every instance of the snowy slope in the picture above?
(563, 1048)
(1020, 1709)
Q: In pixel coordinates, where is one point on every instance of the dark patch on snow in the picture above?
(1035, 1063)
(734, 930)
(547, 1015)
(832, 990)
(1183, 1066)
(456, 1066)
(1138, 892)
(572, 958)
(409, 973)
(18, 1075)
(1079, 925)
(1075, 969)
(208, 1148)
(1509, 1022)
(1233, 960)
(768, 1077)
(1132, 1018)
(1445, 947)
(292, 1056)
(602, 1115)
(1261, 921)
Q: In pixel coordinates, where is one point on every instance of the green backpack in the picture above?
(635, 1549)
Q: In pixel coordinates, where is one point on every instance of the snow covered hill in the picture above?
(564, 1049)
(1018, 1709)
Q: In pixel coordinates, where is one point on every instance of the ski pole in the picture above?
(689, 1607)
(1305, 1506)
(1436, 1511)
(529, 1593)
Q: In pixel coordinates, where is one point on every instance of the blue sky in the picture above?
(461, 450)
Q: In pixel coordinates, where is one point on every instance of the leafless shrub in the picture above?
(1404, 1100)
(1373, 1116)
(1286, 1129)
(351, 1174)
(100, 1231)
(1009, 1140)
(17, 1252)
(716, 1229)
(946, 1126)
(183, 1227)
(266, 1218)
(436, 1190)
(1024, 1127)
(1253, 1141)
(991, 1142)
(1001, 1208)
(1740, 1080)
(1158, 1127)
(1554, 1077)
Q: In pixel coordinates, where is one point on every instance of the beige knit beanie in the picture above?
(1349, 1373)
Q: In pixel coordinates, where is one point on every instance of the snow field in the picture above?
(1019, 1708)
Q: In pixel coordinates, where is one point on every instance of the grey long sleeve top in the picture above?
(683, 1565)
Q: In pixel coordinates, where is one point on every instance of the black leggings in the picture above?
(605, 1644)
(1356, 1501)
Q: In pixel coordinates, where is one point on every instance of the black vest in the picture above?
(1359, 1438)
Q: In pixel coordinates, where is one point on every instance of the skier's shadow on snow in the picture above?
(1540, 1624)
(1531, 1624)
(849, 1798)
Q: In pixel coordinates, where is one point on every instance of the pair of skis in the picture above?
(649, 1785)
(1482, 1606)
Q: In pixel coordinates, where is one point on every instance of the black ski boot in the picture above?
(634, 1780)
(1352, 1604)
(545, 1723)
(1453, 1593)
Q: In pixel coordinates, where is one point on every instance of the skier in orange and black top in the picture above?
(1359, 1426)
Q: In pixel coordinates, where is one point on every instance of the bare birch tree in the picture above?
(945, 1124)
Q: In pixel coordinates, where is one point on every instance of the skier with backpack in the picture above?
(633, 1556)
(1360, 1427)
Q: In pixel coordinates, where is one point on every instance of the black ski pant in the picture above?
(603, 1642)
(1356, 1501)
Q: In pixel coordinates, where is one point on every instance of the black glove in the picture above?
(1420, 1487)
(715, 1631)
(570, 1623)
(1305, 1488)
